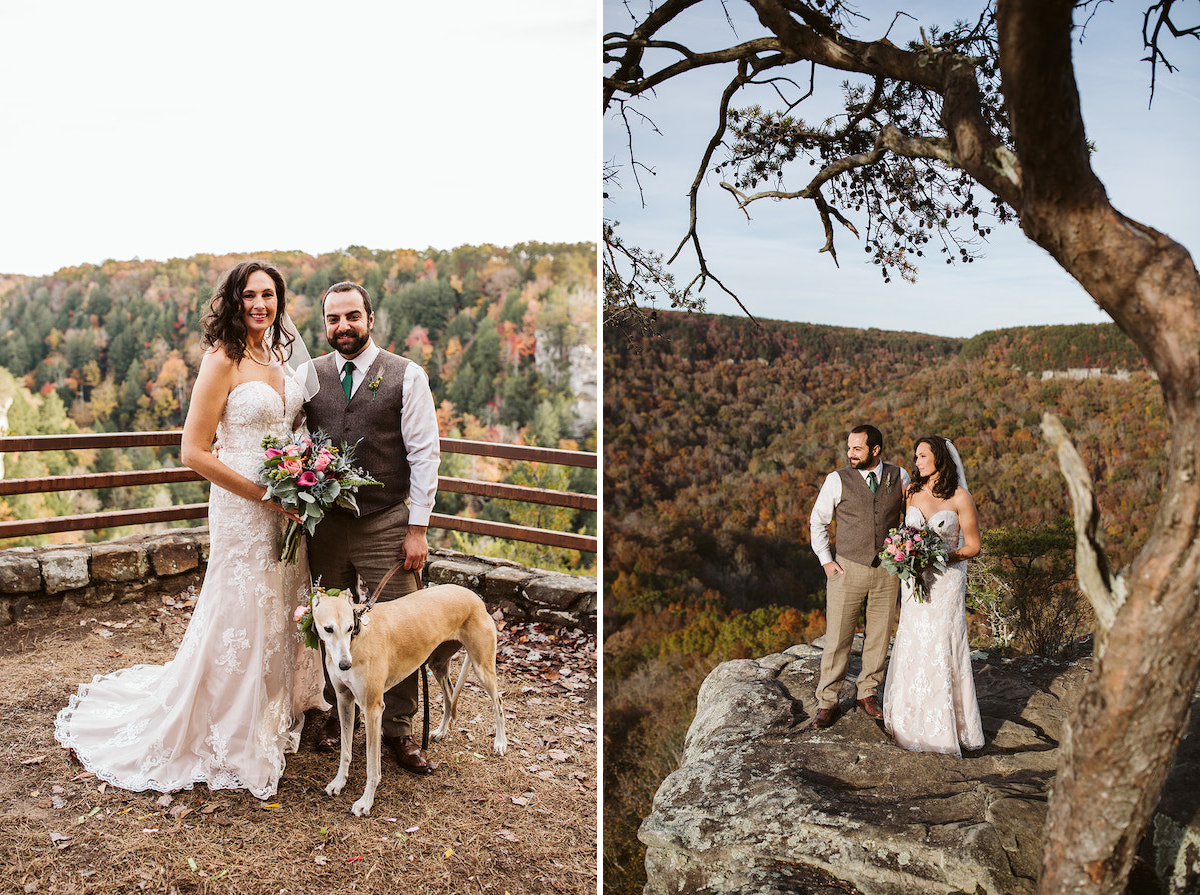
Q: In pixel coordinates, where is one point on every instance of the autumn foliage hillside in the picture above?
(717, 438)
(116, 347)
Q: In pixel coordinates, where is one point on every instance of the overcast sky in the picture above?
(1145, 157)
(158, 130)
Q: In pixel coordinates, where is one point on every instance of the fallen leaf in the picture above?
(520, 800)
(164, 801)
(179, 812)
(546, 775)
(192, 865)
(507, 834)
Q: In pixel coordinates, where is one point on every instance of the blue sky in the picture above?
(157, 130)
(1143, 155)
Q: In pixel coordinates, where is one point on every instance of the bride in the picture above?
(229, 705)
(929, 703)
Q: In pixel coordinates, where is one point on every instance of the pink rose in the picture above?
(322, 461)
(300, 612)
(293, 450)
(292, 465)
(307, 480)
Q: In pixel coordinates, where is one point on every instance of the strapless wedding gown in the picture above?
(929, 702)
(231, 703)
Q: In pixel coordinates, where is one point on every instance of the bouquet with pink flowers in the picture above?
(910, 551)
(309, 475)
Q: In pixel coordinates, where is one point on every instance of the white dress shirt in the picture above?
(828, 499)
(418, 422)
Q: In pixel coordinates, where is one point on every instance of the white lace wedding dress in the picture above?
(929, 700)
(229, 705)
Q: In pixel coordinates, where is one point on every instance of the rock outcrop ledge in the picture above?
(762, 798)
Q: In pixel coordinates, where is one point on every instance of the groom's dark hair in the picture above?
(874, 437)
(347, 286)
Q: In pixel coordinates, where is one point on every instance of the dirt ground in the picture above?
(520, 823)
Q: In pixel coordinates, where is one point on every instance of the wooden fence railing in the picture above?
(92, 521)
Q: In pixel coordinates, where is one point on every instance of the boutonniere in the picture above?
(373, 385)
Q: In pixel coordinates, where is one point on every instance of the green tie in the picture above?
(871, 483)
(348, 375)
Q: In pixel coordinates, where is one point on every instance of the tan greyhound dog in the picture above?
(366, 652)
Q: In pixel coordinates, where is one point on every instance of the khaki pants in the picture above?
(845, 595)
(345, 547)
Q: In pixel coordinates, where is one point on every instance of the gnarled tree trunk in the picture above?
(1118, 745)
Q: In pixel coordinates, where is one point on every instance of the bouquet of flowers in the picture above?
(911, 551)
(309, 475)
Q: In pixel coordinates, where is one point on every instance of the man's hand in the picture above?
(416, 548)
(832, 568)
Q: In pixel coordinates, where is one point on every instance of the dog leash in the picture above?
(424, 669)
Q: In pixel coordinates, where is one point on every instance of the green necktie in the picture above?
(348, 375)
(871, 483)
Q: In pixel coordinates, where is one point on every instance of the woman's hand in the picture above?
(280, 508)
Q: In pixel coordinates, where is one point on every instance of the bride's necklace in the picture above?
(261, 363)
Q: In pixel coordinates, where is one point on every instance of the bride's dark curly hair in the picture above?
(223, 324)
(943, 468)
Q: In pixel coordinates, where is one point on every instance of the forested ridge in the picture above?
(116, 347)
(717, 437)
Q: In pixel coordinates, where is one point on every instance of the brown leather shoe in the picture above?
(826, 717)
(330, 737)
(871, 706)
(408, 755)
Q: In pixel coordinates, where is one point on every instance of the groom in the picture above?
(383, 399)
(868, 499)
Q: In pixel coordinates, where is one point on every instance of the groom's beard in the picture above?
(349, 344)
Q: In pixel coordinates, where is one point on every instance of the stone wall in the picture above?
(40, 581)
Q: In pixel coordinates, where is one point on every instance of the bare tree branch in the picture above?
(1105, 591)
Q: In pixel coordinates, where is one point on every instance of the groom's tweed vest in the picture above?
(864, 519)
(370, 415)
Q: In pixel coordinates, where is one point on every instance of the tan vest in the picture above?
(372, 415)
(864, 519)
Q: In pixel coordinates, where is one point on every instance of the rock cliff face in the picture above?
(765, 804)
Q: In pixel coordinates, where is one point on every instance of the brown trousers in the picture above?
(346, 547)
(845, 595)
